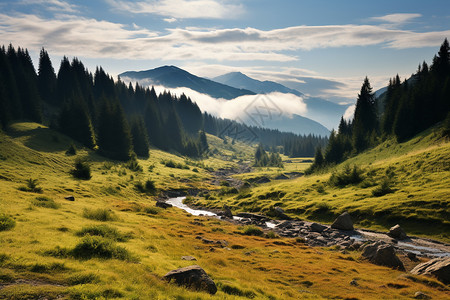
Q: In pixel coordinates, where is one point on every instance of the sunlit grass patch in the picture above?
(45, 202)
(104, 231)
(100, 214)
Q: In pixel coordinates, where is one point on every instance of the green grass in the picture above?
(37, 259)
(104, 231)
(99, 214)
(45, 202)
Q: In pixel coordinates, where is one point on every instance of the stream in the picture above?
(418, 246)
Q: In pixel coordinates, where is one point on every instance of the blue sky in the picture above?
(322, 48)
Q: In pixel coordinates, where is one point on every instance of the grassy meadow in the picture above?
(112, 242)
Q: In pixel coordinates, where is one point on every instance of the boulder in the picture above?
(315, 227)
(284, 224)
(163, 204)
(188, 257)
(70, 198)
(193, 277)
(343, 222)
(397, 232)
(420, 295)
(382, 254)
(279, 212)
(438, 267)
(227, 212)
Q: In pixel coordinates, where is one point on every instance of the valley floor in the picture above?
(50, 251)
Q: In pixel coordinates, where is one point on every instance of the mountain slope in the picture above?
(242, 81)
(173, 77)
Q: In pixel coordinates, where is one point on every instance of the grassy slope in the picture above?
(420, 201)
(264, 268)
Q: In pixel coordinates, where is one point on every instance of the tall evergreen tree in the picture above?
(46, 78)
(140, 138)
(365, 120)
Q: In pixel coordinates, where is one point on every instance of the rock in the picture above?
(420, 295)
(382, 254)
(280, 213)
(227, 212)
(354, 282)
(343, 222)
(163, 204)
(397, 232)
(70, 198)
(284, 224)
(193, 277)
(188, 257)
(251, 216)
(206, 241)
(412, 256)
(315, 227)
(438, 267)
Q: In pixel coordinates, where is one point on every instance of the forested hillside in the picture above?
(406, 109)
(117, 119)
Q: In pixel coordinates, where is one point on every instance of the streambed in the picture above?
(418, 246)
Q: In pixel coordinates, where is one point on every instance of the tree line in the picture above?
(115, 118)
(404, 110)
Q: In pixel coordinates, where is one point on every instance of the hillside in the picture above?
(173, 77)
(46, 256)
(417, 175)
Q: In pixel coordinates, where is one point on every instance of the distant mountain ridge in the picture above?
(173, 77)
(242, 81)
(318, 109)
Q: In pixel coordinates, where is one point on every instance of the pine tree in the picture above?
(46, 78)
(140, 138)
(74, 120)
(365, 120)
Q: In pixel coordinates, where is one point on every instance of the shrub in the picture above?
(253, 230)
(72, 150)
(104, 231)
(133, 164)
(348, 176)
(93, 246)
(153, 210)
(6, 222)
(45, 202)
(271, 235)
(40, 268)
(100, 214)
(32, 186)
(383, 189)
(148, 188)
(82, 169)
(171, 164)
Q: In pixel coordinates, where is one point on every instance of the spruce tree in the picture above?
(46, 78)
(140, 138)
(365, 120)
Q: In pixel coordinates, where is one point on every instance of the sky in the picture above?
(320, 47)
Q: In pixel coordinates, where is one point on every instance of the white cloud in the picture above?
(182, 9)
(52, 5)
(400, 18)
(170, 20)
(240, 107)
(349, 113)
(103, 39)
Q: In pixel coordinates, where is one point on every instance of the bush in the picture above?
(253, 230)
(171, 164)
(100, 214)
(383, 189)
(348, 176)
(104, 231)
(271, 235)
(6, 222)
(45, 202)
(32, 186)
(82, 169)
(72, 150)
(93, 246)
(133, 164)
(153, 210)
(147, 188)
